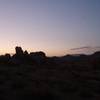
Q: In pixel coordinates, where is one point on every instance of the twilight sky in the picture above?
(53, 26)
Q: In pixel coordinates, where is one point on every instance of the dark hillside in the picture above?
(36, 76)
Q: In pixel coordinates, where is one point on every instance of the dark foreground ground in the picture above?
(55, 83)
(52, 80)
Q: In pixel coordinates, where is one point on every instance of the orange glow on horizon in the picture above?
(48, 52)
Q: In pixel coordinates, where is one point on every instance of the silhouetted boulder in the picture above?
(19, 51)
(17, 58)
(38, 57)
(8, 56)
(5, 58)
(21, 57)
(25, 52)
(40, 54)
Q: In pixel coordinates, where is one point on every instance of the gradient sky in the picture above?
(52, 26)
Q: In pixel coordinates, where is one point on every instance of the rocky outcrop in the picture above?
(23, 57)
(19, 51)
(38, 57)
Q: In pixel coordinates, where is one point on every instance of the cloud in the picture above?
(86, 47)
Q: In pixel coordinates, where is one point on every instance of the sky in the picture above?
(56, 27)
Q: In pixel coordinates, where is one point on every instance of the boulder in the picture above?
(38, 57)
(19, 51)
